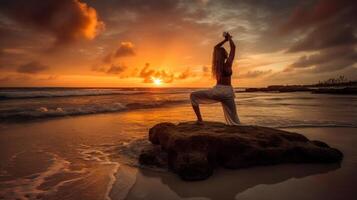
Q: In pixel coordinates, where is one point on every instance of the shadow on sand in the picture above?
(226, 184)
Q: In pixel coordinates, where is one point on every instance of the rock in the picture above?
(193, 151)
(153, 156)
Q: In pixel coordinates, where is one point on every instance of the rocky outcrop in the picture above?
(193, 151)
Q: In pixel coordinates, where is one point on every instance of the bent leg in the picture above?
(230, 112)
(201, 97)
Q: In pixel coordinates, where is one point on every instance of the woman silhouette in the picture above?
(223, 91)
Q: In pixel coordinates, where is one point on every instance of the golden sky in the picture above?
(135, 43)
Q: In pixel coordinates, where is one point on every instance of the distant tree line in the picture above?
(339, 81)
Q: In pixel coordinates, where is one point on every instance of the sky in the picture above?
(169, 43)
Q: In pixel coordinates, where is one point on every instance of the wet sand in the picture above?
(289, 181)
(93, 157)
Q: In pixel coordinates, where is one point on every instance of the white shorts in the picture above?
(219, 93)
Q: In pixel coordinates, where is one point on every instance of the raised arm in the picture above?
(230, 58)
(221, 43)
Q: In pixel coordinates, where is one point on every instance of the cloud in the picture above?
(326, 24)
(66, 20)
(206, 71)
(253, 74)
(186, 74)
(326, 60)
(109, 63)
(33, 67)
(148, 74)
(307, 15)
(52, 77)
(324, 37)
(329, 31)
(125, 49)
(116, 69)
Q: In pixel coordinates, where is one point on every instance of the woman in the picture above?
(223, 91)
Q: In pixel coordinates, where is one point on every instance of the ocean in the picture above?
(83, 143)
(300, 109)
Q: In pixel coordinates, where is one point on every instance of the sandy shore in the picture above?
(87, 157)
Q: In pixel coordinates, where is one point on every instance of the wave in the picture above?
(46, 112)
(51, 93)
(328, 125)
(69, 93)
(277, 122)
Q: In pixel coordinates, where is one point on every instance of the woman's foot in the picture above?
(199, 122)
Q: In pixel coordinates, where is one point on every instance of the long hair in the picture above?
(219, 57)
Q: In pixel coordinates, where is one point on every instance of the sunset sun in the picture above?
(156, 81)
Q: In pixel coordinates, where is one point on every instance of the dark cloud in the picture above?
(112, 69)
(326, 36)
(109, 64)
(116, 69)
(333, 23)
(125, 49)
(33, 67)
(141, 7)
(329, 28)
(328, 60)
(67, 20)
(308, 13)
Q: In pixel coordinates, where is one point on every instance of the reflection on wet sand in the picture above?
(225, 184)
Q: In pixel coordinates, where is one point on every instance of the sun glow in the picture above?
(156, 81)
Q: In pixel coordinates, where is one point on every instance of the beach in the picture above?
(73, 147)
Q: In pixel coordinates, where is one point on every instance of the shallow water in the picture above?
(93, 156)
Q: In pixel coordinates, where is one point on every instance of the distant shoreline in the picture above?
(339, 88)
(349, 88)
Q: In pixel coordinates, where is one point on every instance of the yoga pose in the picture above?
(223, 91)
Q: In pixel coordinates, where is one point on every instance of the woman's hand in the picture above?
(227, 36)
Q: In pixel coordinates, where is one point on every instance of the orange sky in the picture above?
(78, 43)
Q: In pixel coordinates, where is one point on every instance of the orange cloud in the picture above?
(149, 75)
(125, 49)
(88, 22)
(66, 20)
(116, 69)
